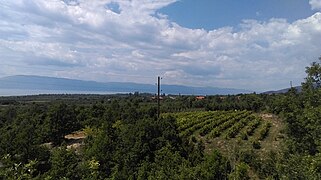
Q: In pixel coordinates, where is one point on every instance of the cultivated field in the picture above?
(230, 130)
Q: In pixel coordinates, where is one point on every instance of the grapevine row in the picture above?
(207, 128)
(201, 125)
(196, 120)
(250, 128)
(264, 131)
(235, 129)
(217, 131)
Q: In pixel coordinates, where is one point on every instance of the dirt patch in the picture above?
(264, 115)
(76, 135)
(75, 140)
(75, 146)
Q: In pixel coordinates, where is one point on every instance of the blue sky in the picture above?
(248, 44)
(211, 14)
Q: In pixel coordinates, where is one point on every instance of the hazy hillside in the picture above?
(298, 88)
(51, 83)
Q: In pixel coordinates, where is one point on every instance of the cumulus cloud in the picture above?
(315, 4)
(128, 40)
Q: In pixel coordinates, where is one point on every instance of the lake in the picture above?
(23, 92)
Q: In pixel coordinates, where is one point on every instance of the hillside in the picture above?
(64, 84)
(282, 91)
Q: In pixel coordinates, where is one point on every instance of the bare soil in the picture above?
(75, 140)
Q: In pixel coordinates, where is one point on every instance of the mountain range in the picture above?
(282, 91)
(28, 82)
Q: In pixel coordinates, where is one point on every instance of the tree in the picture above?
(63, 164)
(314, 73)
(61, 120)
(18, 170)
(101, 146)
(215, 166)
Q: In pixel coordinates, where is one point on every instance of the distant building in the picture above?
(200, 97)
(155, 97)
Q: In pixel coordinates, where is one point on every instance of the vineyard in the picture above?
(223, 127)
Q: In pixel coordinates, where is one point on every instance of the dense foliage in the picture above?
(124, 141)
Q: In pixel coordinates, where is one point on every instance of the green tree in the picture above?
(215, 166)
(63, 164)
(167, 165)
(18, 171)
(61, 120)
(101, 146)
(314, 73)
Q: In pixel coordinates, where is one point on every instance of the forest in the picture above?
(244, 136)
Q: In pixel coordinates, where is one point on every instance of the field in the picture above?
(230, 130)
(234, 133)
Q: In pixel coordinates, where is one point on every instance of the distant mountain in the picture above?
(282, 91)
(24, 82)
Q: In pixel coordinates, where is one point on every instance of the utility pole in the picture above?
(158, 96)
(291, 84)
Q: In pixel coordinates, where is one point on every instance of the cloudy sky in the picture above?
(246, 44)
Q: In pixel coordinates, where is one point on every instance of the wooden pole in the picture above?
(158, 96)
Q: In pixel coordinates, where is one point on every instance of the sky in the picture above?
(257, 45)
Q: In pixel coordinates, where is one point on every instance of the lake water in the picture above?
(23, 92)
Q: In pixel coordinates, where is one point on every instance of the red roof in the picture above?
(200, 97)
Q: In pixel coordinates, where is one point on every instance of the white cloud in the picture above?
(87, 40)
(315, 4)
